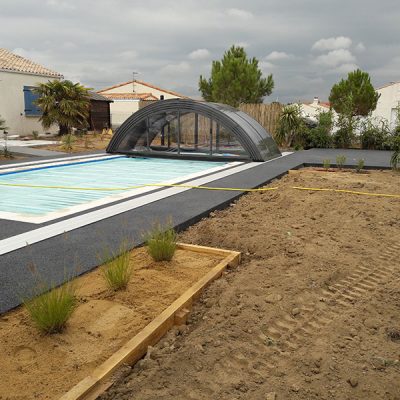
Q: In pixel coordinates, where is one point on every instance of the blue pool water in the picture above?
(105, 173)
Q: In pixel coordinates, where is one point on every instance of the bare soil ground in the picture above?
(82, 144)
(44, 367)
(313, 312)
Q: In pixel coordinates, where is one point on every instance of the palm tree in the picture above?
(64, 103)
(289, 123)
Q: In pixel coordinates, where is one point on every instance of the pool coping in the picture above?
(76, 251)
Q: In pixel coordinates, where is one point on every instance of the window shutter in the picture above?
(29, 99)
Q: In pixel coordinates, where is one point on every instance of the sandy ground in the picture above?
(44, 367)
(313, 312)
(93, 142)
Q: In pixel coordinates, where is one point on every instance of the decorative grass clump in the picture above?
(117, 270)
(161, 242)
(51, 310)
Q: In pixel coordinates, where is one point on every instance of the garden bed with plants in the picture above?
(58, 339)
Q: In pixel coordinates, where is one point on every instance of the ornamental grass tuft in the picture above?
(161, 242)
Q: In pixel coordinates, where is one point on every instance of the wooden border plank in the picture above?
(97, 382)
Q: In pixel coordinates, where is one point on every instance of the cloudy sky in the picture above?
(306, 44)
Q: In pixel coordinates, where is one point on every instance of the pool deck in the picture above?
(77, 250)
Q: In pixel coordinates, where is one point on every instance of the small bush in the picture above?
(35, 135)
(360, 165)
(117, 270)
(50, 311)
(340, 161)
(68, 142)
(327, 164)
(161, 242)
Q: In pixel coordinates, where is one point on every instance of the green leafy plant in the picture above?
(360, 165)
(68, 142)
(327, 164)
(35, 135)
(395, 159)
(340, 161)
(2, 124)
(63, 103)
(236, 79)
(117, 270)
(161, 242)
(51, 310)
(290, 125)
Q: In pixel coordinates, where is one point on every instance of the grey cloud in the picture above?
(100, 42)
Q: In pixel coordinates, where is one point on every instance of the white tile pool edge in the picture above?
(108, 199)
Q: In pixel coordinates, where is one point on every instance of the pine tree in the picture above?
(236, 79)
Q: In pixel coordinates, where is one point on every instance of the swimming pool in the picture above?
(45, 190)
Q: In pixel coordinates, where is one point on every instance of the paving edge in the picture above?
(99, 380)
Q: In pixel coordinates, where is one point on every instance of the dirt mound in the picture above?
(312, 312)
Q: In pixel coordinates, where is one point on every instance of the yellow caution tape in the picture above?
(199, 187)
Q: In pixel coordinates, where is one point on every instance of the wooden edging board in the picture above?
(99, 380)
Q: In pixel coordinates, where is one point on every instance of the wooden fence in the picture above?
(267, 115)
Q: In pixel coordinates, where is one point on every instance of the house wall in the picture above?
(121, 110)
(387, 103)
(12, 103)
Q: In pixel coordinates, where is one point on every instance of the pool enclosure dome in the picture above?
(187, 128)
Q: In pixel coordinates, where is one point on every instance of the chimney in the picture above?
(315, 101)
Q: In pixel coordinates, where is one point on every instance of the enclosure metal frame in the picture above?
(258, 144)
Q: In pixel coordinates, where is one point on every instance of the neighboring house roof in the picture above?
(320, 104)
(98, 97)
(129, 96)
(144, 84)
(387, 85)
(13, 63)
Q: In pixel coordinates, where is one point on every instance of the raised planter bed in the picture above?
(108, 329)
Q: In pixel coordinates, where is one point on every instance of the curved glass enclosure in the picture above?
(191, 129)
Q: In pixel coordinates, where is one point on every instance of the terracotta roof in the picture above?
(14, 63)
(129, 96)
(144, 84)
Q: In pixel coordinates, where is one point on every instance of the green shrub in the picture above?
(375, 135)
(395, 159)
(360, 165)
(161, 242)
(340, 161)
(327, 164)
(35, 135)
(117, 270)
(51, 310)
(68, 142)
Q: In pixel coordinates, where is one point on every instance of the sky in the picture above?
(307, 45)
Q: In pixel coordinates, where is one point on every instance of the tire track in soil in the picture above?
(285, 334)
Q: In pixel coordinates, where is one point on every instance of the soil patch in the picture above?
(313, 311)
(44, 367)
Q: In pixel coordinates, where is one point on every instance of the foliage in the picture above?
(290, 125)
(351, 98)
(50, 311)
(64, 103)
(319, 136)
(68, 142)
(360, 165)
(117, 270)
(161, 242)
(35, 135)
(87, 141)
(236, 79)
(2, 124)
(340, 161)
(354, 96)
(395, 159)
(327, 164)
(375, 135)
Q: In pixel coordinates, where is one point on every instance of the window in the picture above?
(31, 109)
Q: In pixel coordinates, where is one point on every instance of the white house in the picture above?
(311, 110)
(18, 76)
(127, 96)
(388, 102)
